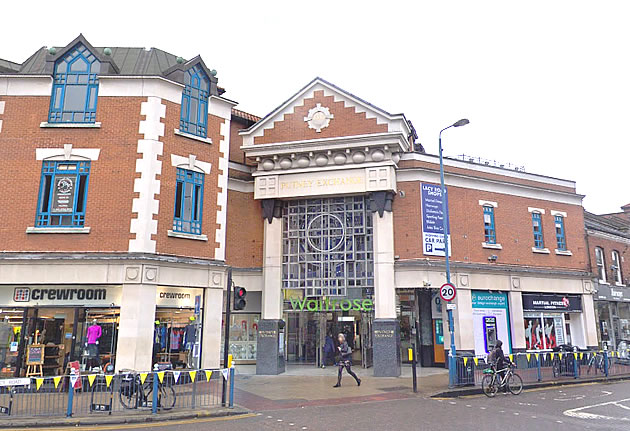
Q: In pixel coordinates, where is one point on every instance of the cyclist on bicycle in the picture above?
(498, 359)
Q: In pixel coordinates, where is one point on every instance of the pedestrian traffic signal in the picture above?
(239, 298)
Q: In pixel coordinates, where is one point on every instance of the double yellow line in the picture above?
(157, 424)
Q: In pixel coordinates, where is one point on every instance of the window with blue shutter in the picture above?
(75, 88)
(194, 110)
(538, 233)
(63, 194)
(490, 235)
(561, 240)
(188, 201)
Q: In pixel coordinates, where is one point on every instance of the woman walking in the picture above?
(345, 360)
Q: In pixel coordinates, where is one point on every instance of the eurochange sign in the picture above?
(332, 304)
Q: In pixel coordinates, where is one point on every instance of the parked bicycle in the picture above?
(494, 380)
(597, 362)
(133, 393)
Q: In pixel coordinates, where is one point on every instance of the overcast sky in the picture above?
(545, 84)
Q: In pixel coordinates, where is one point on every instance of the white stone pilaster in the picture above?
(384, 288)
(516, 320)
(272, 270)
(590, 324)
(212, 310)
(137, 323)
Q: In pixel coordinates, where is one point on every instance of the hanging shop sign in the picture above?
(559, 303)
(329, 304)
(177, 297)
(90, 296)
(433, 220)
(608, 293)
(63, 194)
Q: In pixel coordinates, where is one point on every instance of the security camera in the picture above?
(493, 257)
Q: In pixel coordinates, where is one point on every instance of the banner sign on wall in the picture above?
(491, 321)
(559, 303)
(433, 219)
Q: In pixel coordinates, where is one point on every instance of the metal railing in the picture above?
(119, 394)
(550, 366)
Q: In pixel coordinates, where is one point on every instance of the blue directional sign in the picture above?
(433, 220)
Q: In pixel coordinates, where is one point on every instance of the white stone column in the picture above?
(212, 318)
(384, 286)
(272, 270)
(516, 321)
(137, 322)
(590, 324)
(463, 318)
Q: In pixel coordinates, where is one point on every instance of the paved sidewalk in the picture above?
(303, 386)
(128, 418)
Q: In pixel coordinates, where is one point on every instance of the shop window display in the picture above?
(10, 336)
(177, 338)
(243, 336)
(543, 332)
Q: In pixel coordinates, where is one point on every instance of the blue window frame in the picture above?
(194, 111)
(63, 194)
(75, 87)
(560, 237)
(538, 233)
(188, 201)
(490, 234)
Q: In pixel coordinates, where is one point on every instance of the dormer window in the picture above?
(75, 87)
(194, 112)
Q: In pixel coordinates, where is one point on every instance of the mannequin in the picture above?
(94, 332)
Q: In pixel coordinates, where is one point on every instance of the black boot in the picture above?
(358, 382)
(338, 385)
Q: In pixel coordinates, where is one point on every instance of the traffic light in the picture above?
(239, 298)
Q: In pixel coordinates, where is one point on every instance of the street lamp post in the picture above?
(451, 323)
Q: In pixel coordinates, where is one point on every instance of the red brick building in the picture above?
(608, 239)
(341, 188)
(139, 183)
(118, 215)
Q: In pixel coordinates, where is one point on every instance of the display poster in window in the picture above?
(63, 194)
(543, 333)
(433, 220)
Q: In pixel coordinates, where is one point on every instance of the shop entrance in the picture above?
(311, 337)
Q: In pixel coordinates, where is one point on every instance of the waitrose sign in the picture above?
(332, 304)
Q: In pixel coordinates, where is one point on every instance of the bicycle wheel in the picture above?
(489, 385)
(128, 396)
(167, 397)
(96, 394)
(515, 384)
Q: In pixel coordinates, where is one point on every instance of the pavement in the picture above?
(588, 406)
(304, 399)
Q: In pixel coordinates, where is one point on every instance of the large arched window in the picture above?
(194, 116)
(75, 87)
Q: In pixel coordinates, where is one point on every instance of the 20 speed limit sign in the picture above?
(448, 292)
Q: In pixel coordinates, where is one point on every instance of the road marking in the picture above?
(581, 414)
(622, 406)
(147, 425)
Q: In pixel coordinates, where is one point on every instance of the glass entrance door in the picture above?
(302, 338)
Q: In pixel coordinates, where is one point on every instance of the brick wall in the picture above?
(110, 190)
(244, 247)
(346, 122)
(608, 245)
(513, 228)
(182, 146)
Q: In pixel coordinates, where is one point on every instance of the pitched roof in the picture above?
(603, 223)
(124, 61)
(245, 115)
